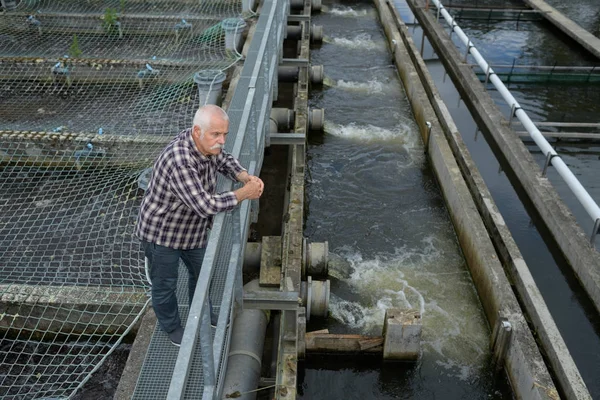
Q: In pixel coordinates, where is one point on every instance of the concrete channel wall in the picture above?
(524, 365)
(555, 349)
(521, 168)
(590, 42)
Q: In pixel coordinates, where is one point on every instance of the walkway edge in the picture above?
(137, 354)
(524, 365)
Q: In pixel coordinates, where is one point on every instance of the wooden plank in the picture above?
(270, 262)
(320, 342)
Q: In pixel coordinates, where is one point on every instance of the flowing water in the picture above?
(372, 195)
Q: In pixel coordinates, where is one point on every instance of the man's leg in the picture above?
(164, 262)
(193, 261)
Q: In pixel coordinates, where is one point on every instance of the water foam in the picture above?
(348, 12)
(425, 278)
(370, 133)
(362, 41)
(402, 134)
(371, 87)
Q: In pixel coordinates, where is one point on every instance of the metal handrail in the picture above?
(552, 157)
(249, 124)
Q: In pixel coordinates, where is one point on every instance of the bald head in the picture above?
(207, 115)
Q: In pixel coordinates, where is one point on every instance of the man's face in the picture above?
(211, 142)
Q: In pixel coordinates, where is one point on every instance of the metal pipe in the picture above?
(275, 350)
(294, 32)
(317, 257)
(283, 117)
(245, 355)
(563, 170)
(287, 73)
(315, 297)
(316, 119)
(252, 256)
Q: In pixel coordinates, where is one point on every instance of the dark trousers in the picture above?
(164, 266)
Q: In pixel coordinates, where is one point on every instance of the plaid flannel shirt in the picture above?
(179, 205)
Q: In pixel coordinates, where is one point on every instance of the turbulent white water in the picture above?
(403, 134)
(348, 12)
(360, 41)
(429, 278)
(370, 87)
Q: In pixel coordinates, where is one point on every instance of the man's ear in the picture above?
(196, 131)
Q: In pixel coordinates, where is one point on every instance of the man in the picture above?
(179, 206)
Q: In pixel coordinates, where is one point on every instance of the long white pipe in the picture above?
(563, 170)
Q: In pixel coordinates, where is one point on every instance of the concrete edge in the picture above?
(137, 355)
(555, 348)
(590, 42)
(522, 170)
(524, 364)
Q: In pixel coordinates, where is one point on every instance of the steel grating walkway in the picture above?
(196, 369)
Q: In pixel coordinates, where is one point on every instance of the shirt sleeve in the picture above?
(186, 184)
(229, 166)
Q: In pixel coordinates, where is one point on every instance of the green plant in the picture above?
(74, 50)
(109, 20)
(122, 7)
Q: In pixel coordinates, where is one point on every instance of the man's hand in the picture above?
(252, 189)
(244, 177)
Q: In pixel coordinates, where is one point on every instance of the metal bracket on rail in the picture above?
(500, 341)
(548, 162)
(469, 47)
(513, 111)
(487, 74)
(595, 231)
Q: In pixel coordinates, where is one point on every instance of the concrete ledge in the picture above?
(137, 354)
(48, 310)
(524, 365)
(590, 42)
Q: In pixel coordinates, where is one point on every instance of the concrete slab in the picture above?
(402, 334)
(590, 42)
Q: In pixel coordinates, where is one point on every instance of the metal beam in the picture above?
(272, 300)
(287, 138)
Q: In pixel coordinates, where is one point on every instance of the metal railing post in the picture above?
(595, 231)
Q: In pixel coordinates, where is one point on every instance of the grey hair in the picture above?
(204, 115)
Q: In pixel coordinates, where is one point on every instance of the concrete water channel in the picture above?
(384, 189)
(537, 43)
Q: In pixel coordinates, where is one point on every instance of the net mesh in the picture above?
(90, 92)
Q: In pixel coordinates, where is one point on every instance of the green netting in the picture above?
(90, 92)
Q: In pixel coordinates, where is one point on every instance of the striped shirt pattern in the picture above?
(179, 205)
